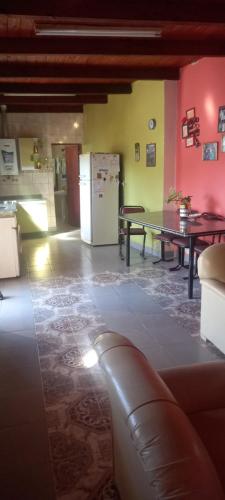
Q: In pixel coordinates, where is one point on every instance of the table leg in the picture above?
(162, 250)
(191, 268)
(128, 244)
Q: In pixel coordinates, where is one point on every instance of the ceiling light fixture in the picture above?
(89, 31)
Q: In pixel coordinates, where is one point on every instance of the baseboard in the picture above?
(38, 234)
(151, 251)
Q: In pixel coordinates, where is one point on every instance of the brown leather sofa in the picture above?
(211, 271)
(168, 427)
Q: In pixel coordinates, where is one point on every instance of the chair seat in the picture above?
(184, 242)
(202, 245)
(181, 242)
(133, 231)
(166, 238)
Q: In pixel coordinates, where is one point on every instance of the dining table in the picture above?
(168, 221)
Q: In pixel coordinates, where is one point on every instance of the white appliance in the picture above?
(8, 157)
(99, 198)
(9, 247)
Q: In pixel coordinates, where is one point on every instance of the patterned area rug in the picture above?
(76, 401)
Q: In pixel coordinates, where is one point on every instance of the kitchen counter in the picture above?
(6, 213)
(18, 197)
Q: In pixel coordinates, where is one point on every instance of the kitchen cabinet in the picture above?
(29, 152)
(9, 246)
(8, 157)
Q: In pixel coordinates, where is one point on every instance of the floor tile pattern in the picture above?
(78, 291)
(69, 313)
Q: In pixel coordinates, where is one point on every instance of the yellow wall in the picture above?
(117, 126)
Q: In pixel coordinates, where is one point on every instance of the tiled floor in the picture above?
(146, 303)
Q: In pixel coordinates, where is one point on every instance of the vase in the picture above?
(184, 211)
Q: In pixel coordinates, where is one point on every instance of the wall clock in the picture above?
(151, 123)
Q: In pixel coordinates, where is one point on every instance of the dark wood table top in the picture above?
(170, 221)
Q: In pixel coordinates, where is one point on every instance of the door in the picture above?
(73, 189)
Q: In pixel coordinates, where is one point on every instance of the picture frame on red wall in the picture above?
(221, 119)
(223, 144)
(189, 141)
(190, 113)
(184, 131)
(210, 151)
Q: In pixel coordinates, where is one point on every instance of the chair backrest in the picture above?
(129, 209)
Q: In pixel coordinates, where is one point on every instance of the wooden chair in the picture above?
(134, 231)
(200, 244)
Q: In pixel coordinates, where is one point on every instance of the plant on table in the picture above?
(178, 198)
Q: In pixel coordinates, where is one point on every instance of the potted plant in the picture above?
(183, 202)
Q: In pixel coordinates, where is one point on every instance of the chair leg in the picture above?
(120, 247)
(143, 247)
(1, 296)
(162, 258)
(186, 266)
(180, 258)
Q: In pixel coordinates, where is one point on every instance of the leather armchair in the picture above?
(211, 271)
(168, 427)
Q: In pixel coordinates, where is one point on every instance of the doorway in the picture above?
(66, 184)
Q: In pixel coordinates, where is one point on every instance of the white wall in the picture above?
(49, 127)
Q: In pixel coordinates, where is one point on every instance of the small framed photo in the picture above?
(189, 141)
(137, 151)
(210, 151)
(190, 113)
(223, 143)
(151, 155)
(221, 119)
(184, 131)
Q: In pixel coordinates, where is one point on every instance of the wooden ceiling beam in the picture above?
(64, 88)
(53, 100)
(109, 46)
(85, 71)
(44, 108)
(197, 10)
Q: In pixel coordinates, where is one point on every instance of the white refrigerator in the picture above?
(99, 198)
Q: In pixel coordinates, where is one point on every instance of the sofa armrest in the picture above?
(211, 263)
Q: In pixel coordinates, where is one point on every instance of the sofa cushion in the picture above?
(200, 391)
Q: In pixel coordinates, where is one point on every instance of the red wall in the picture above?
(202, 85)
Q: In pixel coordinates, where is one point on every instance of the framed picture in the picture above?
(223, 144)
(151, 155)
(221, 119)
(209, 151)
(190, 141)
(190, 113)
(137, 151)
(184, 131)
